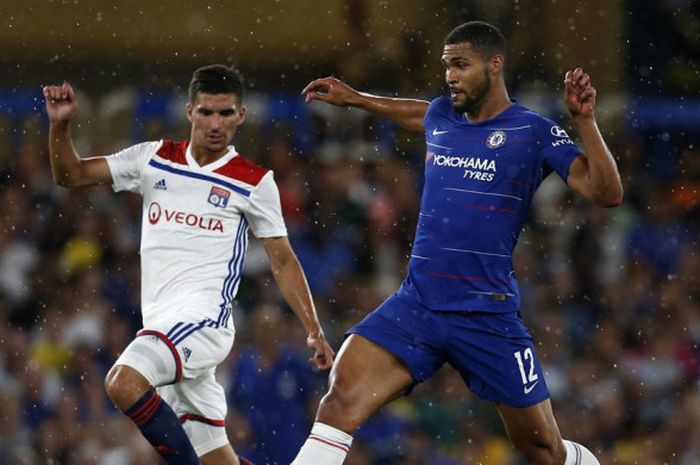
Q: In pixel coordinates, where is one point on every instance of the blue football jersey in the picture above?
(479, 182)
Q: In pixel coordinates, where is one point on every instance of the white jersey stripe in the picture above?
(438, 146)
(475, 252)
(484, 193)
(491, 293)
(510, 129)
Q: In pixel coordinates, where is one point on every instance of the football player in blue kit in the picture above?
(459, 304)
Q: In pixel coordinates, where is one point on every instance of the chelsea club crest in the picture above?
(496, 139)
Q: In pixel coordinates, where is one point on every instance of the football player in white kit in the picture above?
(200, 198)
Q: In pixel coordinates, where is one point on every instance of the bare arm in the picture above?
(594, 176)
(67, 168)
(292, 282)
(407, 113)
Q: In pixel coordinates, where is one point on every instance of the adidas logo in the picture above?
(160, 185)
(186, 351)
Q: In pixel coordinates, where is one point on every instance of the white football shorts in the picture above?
(180, 360)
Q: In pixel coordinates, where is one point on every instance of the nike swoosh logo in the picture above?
(528, 389)
(437, 133)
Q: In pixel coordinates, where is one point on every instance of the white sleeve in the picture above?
(127, 166)
(264, 212)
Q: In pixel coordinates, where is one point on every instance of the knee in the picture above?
(125, 386)
(340, 395)
(341, 404)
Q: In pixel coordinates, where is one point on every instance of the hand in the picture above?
(323, 354)
(579, 94)
(330, 90)
(61, 103)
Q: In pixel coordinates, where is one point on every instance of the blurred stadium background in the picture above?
(612, 296)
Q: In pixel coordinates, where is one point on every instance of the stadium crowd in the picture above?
(611, 296)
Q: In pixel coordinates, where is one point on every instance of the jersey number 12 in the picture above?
(522, 357)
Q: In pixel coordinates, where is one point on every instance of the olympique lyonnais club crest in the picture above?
(218, 197)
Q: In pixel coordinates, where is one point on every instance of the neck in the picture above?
(491, 106)
(203, 156)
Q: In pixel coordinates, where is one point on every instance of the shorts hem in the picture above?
(128, 363)
(525, 404)
(211, 446)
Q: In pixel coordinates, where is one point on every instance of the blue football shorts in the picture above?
(493, 352)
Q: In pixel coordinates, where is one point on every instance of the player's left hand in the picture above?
(579, 94)
(323, 354)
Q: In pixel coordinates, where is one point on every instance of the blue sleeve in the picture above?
(437, 106)
(557, 149)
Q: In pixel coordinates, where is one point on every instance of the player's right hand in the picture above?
(61, 103)
(579, 93)
(330, 90)
(323, 353)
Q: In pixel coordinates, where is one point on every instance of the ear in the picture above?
(241, 114)
(189, 111)
(496, 64)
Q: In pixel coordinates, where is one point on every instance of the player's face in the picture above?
(214, 118)
(467, 76)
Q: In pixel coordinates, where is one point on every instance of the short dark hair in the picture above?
(216, 79)
(486, 39)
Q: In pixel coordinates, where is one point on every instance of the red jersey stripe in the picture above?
(174, 151)
(243, 170)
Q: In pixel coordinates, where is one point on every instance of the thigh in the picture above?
(153, 357)
(409, 332)
(364, 377)
(496, 357)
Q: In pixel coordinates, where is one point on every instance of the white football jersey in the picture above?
(194, 229)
